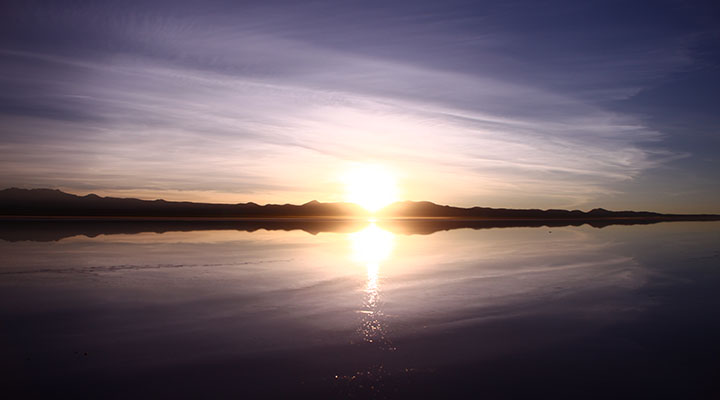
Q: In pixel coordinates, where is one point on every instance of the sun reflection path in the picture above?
(370, 247)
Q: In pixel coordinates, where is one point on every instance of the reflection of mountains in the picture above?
(56, 229)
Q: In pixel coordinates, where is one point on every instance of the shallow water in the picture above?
(362, 312)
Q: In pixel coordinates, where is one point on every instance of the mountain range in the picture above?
(16, 202)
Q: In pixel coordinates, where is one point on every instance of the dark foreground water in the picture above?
(360, 312)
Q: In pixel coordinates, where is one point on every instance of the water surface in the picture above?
(358, 311)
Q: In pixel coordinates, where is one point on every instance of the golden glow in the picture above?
(370, 186)
(370, 247)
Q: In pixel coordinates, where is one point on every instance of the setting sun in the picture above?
(370, 186)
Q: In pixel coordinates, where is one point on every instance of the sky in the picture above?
(528, 104)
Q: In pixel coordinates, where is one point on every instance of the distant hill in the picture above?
(55, 203)
(49, 202)
(409, 209)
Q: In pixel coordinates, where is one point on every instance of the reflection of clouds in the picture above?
(370, 247)
(131, 267)
(465, 277)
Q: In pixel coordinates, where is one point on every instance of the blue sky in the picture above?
(555, 104)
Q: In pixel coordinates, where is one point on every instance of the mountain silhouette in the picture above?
(419, 209)
(17, 203)
(49, 215)
(55, 203)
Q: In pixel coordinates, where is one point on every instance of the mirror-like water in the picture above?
(362, 312)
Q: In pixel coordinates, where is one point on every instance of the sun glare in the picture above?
(370, 186)
(371, 245)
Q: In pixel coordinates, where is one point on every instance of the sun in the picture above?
(370, 186)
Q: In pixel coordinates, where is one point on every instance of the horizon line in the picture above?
(365, 211)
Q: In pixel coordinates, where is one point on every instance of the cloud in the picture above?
(184, 104)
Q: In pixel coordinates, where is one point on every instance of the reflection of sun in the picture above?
(371, 246)
(370, 186)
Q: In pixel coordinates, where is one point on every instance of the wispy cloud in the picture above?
(245, 112)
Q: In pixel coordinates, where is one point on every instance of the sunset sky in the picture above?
(552, 104)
